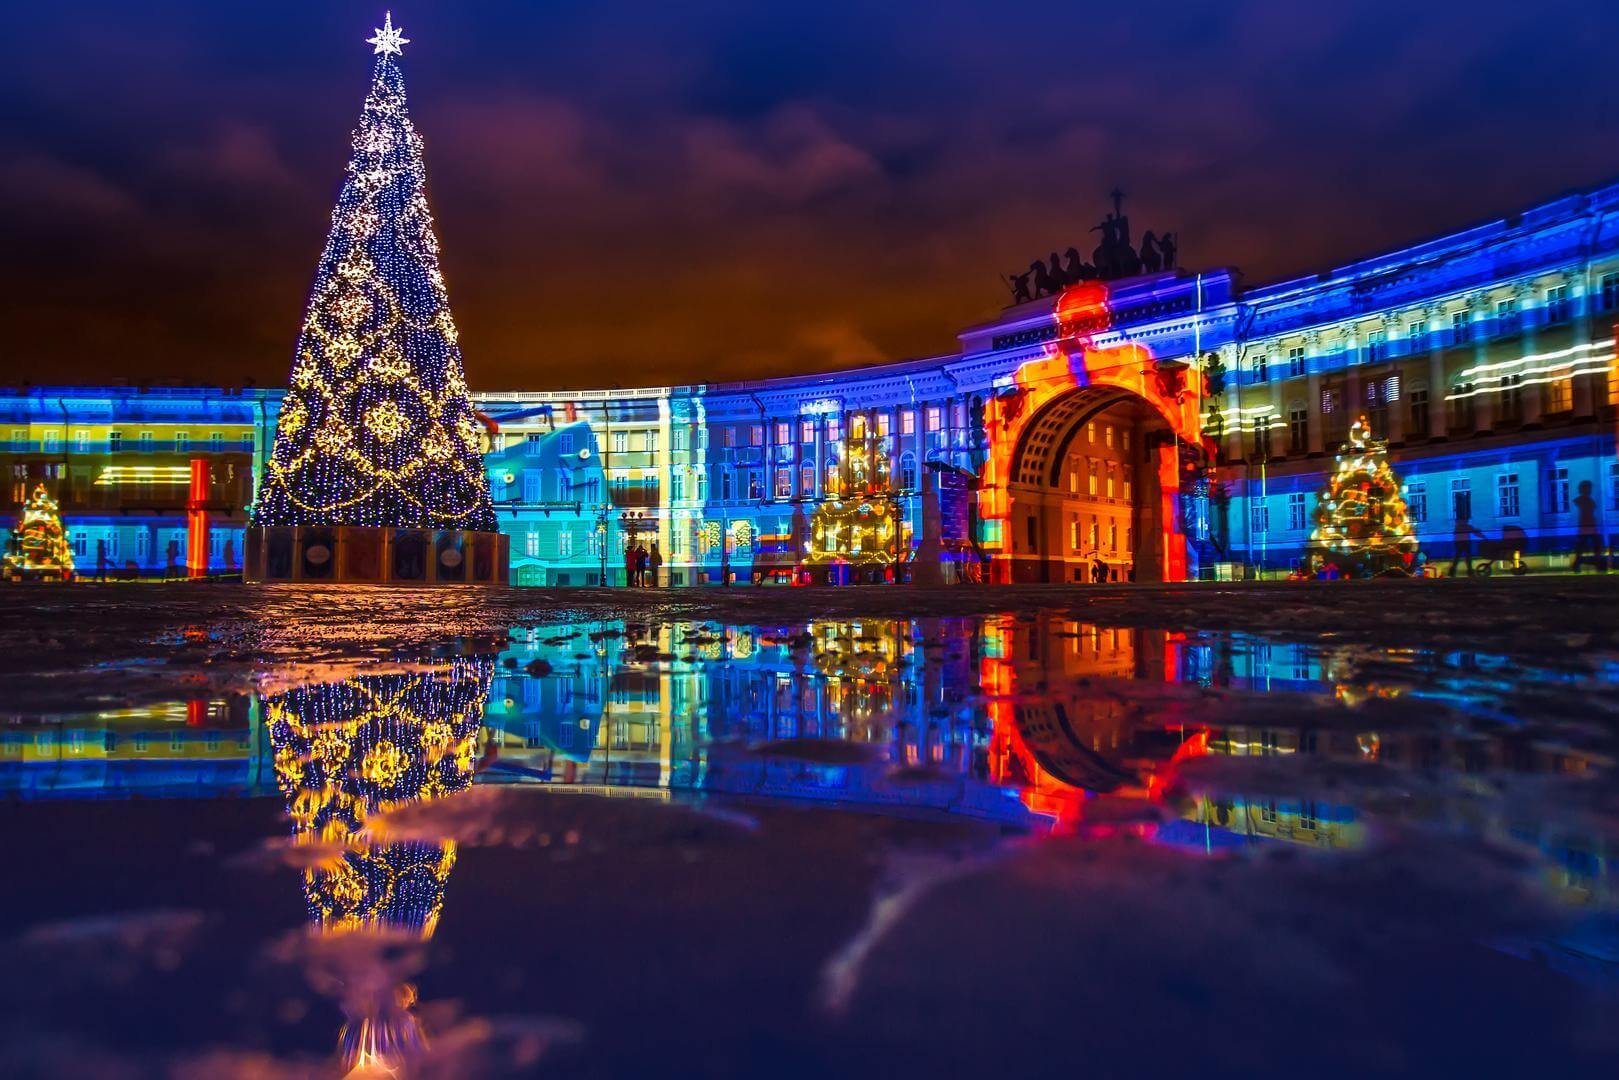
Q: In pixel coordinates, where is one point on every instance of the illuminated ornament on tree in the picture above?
(1361, 517)
(39, 544)
(378, 426)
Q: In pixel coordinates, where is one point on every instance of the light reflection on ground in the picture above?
(974, 737)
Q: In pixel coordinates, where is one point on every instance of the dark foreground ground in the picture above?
(1445, 910)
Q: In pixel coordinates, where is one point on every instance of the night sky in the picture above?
(637, 193)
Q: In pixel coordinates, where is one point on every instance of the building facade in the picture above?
(1157, 428)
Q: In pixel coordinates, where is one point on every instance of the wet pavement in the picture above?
(1334, 829)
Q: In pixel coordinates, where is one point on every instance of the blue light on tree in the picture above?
(377, 427)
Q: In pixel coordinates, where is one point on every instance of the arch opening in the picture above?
(1091, 491)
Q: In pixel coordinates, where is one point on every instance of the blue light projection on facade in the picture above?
(1483, 359)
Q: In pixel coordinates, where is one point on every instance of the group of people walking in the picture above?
(641, 566)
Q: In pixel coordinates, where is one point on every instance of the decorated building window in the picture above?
(1461, 327)
(1416, 337)
(1259, 516)
(621, 442)
(784, 483)
(1295, 362)
(1506, 495)
(115, 441)
(1558, 306)
(934, 418)
(1608, 294)
(51, 443)
(806, 431)
(1461, 499)
(784, 433)
(907, 422)
(216, 440)
(81, 441)
(806, 479)
(1418, 426)
(1506, 315)
(1295, 511)
(884, 422)
(650, 440)
(1416, 502)
(1560, 394)
(1559, 489)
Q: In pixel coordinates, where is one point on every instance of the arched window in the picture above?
(907, 471)
(806, 480)
(834, 479)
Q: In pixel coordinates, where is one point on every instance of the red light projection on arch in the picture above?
(1077, 361)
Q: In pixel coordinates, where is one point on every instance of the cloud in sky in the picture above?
(629, 193)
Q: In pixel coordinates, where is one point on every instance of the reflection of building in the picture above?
(209, 745)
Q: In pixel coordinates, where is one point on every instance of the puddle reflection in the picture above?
(344, 754)
(1203, 743)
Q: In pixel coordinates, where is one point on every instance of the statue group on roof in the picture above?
(1115, 256)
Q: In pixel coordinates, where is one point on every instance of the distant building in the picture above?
(1082, 434)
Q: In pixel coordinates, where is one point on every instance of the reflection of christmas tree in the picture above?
(40, 547)
(345, 753)
(377, 427)
(1361, 516)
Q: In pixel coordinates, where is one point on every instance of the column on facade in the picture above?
(1312, 406)
(1396, 409)
(1589, 390)
(1484, 404)
(1354, 400)
(1438, 384)
(1533, 397)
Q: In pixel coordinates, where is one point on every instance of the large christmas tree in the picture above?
(39, 546)
(377, 427)
(1361, 520)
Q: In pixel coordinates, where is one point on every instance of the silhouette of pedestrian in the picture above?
(1463, 543)
(101, 560)
(656, 560)
(1588, 542)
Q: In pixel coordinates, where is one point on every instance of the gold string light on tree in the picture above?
(378, 427)
(1361, 519)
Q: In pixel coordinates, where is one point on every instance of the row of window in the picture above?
(89, 546)
(1461, 329)
(1561, 498)
(146, 441)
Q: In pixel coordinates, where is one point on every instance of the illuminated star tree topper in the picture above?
(388, 40)
(377, 427)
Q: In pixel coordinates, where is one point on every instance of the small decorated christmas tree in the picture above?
(39, 545)
(1361, 520)
(377, 427)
